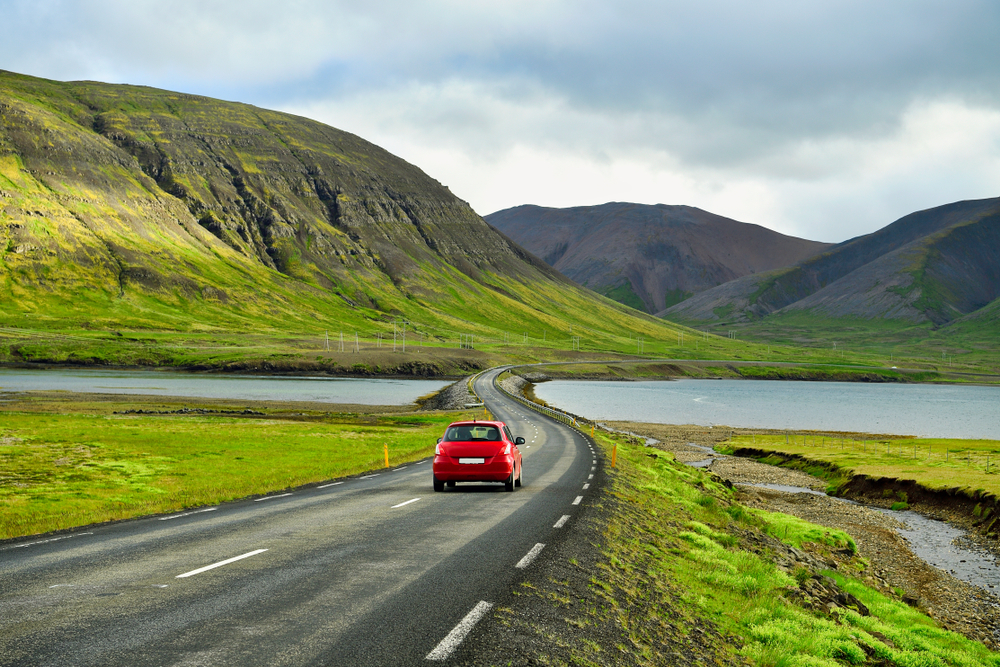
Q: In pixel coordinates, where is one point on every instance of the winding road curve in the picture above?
(371, 570)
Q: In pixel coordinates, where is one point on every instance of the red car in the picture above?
(477, 451)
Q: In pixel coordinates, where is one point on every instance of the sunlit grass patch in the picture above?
(937, 463)
(60, 471)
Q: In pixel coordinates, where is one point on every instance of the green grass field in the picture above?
(60, 470)
(936, 463)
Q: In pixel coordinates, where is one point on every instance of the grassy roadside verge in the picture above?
(70, 467)
(674, 571)
(718, 553)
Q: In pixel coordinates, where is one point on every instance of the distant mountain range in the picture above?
(649, 257)
(127, 206)
(936, 266)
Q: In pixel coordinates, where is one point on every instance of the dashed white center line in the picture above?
(327, 485)
(530, 556)
(177, 516)
(578, 499)
(421, 462)
(219, 564)
(280, 495)
(562, 521)
(590, 477)
(401, 468)
(458, 633)
(405, 503)
(586, 486)
(370, 476)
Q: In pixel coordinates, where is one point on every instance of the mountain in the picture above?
(126, 206)
(649, 257)
(934, 266)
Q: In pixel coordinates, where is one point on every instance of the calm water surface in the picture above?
(239, 387)
(923, 410)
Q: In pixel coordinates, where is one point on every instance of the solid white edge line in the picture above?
(562, 522)
(177, 516)
(328, 485)
(219, 564)
(578, 499)
(280, 495)
(370, 476)
(398, 469)
(530, 556)
(406, 503)
(51, 539)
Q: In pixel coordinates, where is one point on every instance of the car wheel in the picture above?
(509, 484)
(520, 475)
(438, 485)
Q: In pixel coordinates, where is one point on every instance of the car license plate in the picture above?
(468, 460)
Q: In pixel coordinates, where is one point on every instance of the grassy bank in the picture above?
(76, 464)
(624, 369)
(433, 348)
(935, 463)
(680, 549)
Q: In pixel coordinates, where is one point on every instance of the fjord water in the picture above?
(362, 391)
(937, 411)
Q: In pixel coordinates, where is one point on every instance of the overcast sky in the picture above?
(819, 119)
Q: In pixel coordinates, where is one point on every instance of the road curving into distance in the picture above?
(371, 570)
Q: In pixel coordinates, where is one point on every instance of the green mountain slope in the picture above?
(124, 207)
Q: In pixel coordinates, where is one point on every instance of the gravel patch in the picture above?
(453, 397)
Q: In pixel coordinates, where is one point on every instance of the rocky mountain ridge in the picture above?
(934, 266)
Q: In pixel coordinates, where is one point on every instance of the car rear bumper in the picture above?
(448, 469)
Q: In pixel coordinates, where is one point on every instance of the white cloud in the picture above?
(824, 119)
(497, 152)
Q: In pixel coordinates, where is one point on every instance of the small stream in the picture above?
(940, 544)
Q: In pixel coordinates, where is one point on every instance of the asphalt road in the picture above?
(371, 570)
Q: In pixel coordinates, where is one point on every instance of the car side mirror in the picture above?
(518, 441)
(439, 440)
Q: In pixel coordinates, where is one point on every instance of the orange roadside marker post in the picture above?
(614, 455)
(386, 455)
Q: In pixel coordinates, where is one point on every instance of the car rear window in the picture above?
(466, 433)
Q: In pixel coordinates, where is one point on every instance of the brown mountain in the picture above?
(649, 257)
(933, 266)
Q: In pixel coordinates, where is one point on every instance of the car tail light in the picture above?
(438, 450)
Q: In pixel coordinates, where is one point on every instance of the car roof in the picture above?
(477, 422)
